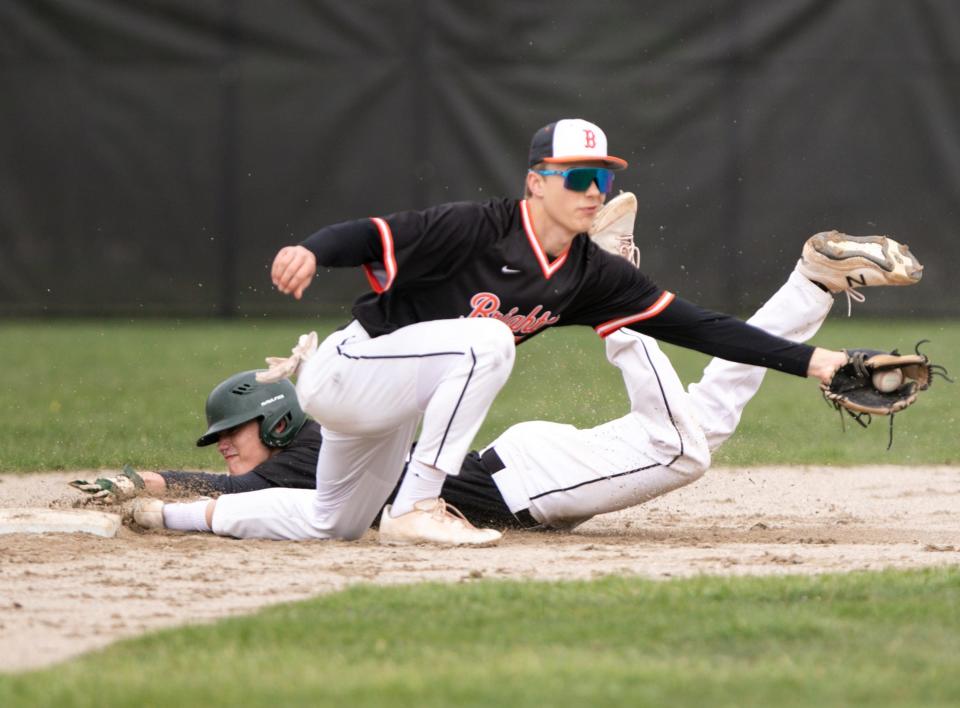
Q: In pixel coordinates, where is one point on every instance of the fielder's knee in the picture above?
(493, 345)
(695, 459)
(495, 337)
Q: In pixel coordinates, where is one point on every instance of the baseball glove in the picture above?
(873, 383)
(109, 490)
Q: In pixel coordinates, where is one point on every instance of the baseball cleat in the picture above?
(433, 521)
(612, 227)
(285, 367)
(842, 263)
(148, 513)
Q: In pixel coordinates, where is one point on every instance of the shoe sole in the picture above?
(893, 258)
(618, 216)
(618, 207)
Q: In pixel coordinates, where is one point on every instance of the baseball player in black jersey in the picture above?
(548, 475)
(455, 287)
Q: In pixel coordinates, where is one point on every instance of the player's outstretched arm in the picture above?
(293, 269)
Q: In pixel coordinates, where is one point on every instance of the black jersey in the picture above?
(293, 466)
(296, 464)
(470, 259)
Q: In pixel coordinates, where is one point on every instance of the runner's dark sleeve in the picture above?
(618, 295)
(405, 247)
(294, 466)
(214, 484)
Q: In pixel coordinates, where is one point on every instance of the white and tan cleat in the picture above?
(612, 227)
(842, 263)
(148, 513)
(436, 522)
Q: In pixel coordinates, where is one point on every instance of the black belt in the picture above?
(491, 460)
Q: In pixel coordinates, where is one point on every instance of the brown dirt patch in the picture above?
(63, 594)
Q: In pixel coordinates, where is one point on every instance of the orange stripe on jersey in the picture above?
(548, 268)
(655, 309)
(389, 259)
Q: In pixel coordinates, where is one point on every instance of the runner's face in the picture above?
(572, 210)
(242, 447)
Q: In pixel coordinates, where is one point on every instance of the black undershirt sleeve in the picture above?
(422, 246)
(616, 291)
(693, 327)
(351, 243)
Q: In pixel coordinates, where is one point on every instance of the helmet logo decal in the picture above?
(278, 397)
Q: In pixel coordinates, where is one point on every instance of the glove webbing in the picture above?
(859, 417)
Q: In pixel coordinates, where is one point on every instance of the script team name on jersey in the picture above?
(487, 304)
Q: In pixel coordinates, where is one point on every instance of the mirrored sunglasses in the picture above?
(579, 179)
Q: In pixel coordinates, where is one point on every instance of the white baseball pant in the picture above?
(564, 476)
(370, 395)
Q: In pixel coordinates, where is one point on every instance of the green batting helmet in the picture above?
(242, 398)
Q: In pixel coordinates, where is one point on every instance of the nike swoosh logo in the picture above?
(507, 270)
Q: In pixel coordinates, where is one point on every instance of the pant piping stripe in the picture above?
(673, 422)
(466, 383)
(598, 479)
(663, 395)
(397, 356)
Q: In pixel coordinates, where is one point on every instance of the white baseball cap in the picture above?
(572, 140)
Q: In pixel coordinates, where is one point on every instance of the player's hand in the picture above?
(293, 270)
(824, 363)
(125, 485)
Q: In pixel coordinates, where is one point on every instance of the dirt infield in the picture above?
(62, 594)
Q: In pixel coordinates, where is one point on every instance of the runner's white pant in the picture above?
(563, 475)
(370, 395)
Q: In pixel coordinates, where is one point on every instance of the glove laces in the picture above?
(442, 511)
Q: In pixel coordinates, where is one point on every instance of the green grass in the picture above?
(101, 393)
(98, 394)
(886, 639)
